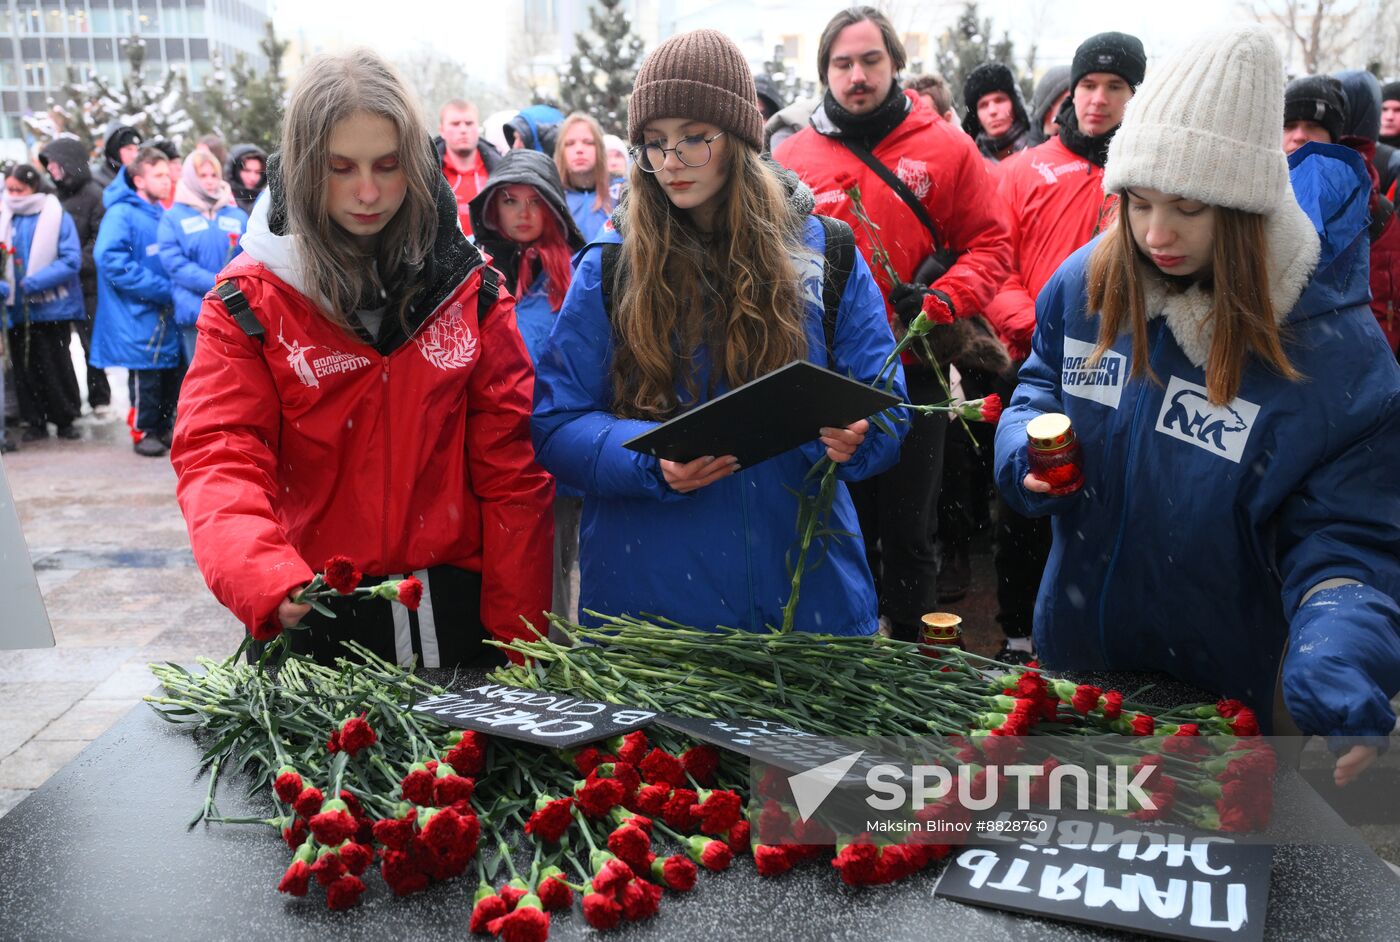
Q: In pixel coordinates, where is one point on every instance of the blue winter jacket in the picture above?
(54, 292)
(589, 220)
(133, 327)
(1202, 530)
(716, 556)
(193, 249)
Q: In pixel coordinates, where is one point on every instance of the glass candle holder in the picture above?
(1054, 453)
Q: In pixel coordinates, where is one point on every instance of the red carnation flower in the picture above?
(623, 772)
(679, 812)
(661, 767)
(773, 823)
(487, 909)
(677, 872)
(598, 796)
(651, 799)
(400, 872)
(296, 880)
(701, 762)
(634, 747)
(397, 833)
(548, 823)
(1112, 705)
(771, 860)
(308, 802)
(512, 895)
(333, 827)
(555, 894)
(846, 181)
(738, 838)
(632, 845)
(639, 900)
(342, 575)
(1086, 698)
(719, 812)
(638, 820)
(936, 310)
(1229, 708)
(333, 744)
(613, 875)
(1245, 723)
(344, 893)
(1143, 725)
(417, 787)
(288, 787)
(356, 857)
(858, 863)
(601, 912)
(991, 408)
(328, 868)
(523, 924)
(716, 856)
(356, 734)
(295, 835)
(468, 756)
(410, 593)
(450, 789)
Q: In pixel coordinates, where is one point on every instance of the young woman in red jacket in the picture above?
(359, 388)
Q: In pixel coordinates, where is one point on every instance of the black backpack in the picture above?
(840, 260)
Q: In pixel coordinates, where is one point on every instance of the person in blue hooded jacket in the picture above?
(719, 281)
(534, 128)
(42, 295)
(522, 221)
(1238, 412)
(198, 235)
(134, 326)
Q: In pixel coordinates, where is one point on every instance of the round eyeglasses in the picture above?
(693, 151)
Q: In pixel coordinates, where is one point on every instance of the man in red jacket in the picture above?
(866, 118)
(1054, 202)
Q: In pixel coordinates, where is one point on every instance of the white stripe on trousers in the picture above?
(427, 627)
(403, 633)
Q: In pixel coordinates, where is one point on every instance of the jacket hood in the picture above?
(1053, 84)
(236, 158)
(537, 126)
(799, 196)
(118, 136)
(451, 260)
(120, 190)
(531, 168)
(1362, 91)
(70, 154)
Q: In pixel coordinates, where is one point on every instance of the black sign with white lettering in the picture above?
(765, 740)
(556, 720)
(1115, 872)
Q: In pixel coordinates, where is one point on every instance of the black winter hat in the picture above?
(1316, 98)
(1390, 91)
(1118, 53)
(117, 138)
(987, 78)
(167, 148)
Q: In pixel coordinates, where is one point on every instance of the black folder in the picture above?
(766, 417)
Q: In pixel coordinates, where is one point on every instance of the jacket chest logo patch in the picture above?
(1187, 414)
(193, 224)
(914, 174)
(1101, 383)
(448, 342)
(1052, 174)
(309, 370)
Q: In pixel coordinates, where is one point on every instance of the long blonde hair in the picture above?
(735, 293)
(331, 89)
(601, 182)
(1241, 311)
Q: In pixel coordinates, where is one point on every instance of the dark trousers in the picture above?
(45, 384)
(98, 389)
(445, 631)
(1022, 550)
(153, 396)
(899, 517)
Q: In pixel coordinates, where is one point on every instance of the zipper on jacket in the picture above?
(1127, 490)
(748, 553)
(388, 462)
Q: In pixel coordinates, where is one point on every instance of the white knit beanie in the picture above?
(1205, 125)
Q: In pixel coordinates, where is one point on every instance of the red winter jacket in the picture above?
(1385, 280)
(307, 443)
(1053, 202)
(944, 169)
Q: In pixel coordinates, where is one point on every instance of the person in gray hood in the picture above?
(65, 160)
(1050, 93)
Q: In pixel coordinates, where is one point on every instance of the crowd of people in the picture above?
(429, 360)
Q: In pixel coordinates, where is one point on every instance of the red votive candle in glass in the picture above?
(1054, 453)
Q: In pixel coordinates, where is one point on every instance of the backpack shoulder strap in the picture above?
(840, 261)
(239, 308)
(612, 254)
(487, 293)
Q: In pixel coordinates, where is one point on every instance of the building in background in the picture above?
(40, 40)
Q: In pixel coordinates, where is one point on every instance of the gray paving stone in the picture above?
(30, 765)
(73, 664)
(87, 719)
(9, 797)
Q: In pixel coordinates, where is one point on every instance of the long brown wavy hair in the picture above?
(1242, 309)
(601, 182)
(734, 292)
(332, 88)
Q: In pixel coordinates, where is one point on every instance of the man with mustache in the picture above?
(917, 175)
(1054, 202)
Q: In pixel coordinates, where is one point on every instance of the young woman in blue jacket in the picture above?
(198, 235)
(41, 296)
(719, 282)
(1238, 412)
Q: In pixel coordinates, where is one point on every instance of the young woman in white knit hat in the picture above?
(1238, 413)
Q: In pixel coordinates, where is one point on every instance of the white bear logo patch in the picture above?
(448, 342)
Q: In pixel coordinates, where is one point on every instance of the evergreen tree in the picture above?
(244, 105)
(601, 72)
(966, 45)
(91, 107)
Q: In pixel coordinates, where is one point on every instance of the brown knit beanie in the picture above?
(699, 75)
